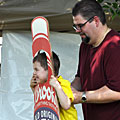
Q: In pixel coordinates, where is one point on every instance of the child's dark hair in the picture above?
(56, 63)
(41, 57)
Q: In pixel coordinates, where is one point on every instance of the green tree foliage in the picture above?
(113, 7)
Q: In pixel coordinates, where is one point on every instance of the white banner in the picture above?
(16, 97)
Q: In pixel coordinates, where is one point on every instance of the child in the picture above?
(62, 87)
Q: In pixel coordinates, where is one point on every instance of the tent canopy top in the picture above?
(18, 14)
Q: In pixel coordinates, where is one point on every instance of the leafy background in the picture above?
(111, 7)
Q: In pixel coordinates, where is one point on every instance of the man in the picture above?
(97, 82)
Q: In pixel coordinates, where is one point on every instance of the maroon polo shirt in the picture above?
(97, 67)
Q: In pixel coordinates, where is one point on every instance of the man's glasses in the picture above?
(79, 26)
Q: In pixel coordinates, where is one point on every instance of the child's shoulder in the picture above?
(63, 81)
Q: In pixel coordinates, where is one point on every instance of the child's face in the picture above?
(40, 73)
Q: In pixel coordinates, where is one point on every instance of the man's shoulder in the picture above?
(113, 36)
(112, 39)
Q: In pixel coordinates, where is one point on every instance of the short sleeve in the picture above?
(112, 66)
(66, 86)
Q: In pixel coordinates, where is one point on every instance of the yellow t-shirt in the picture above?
(71, 113)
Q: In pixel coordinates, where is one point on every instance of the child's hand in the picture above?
(33, 83)
(53, 81)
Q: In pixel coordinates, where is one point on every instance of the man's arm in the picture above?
(65, 102)
(102, 95)
(76, 83)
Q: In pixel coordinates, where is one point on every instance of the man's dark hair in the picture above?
(42, 59)
(88, 9)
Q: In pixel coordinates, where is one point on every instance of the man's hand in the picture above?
(77, 96)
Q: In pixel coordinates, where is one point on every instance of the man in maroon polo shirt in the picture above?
(97, 82)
